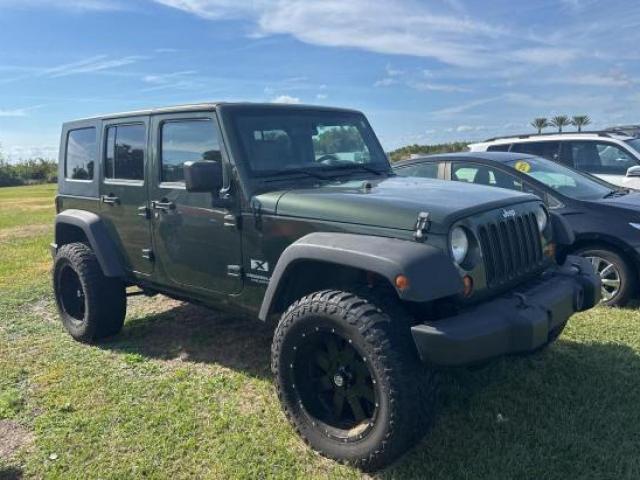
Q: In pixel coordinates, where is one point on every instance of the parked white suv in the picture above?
(611, 156)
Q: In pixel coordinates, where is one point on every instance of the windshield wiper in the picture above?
(361, 166)
(617, 193)
(306, 171)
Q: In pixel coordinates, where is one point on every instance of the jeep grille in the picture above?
(511, 248)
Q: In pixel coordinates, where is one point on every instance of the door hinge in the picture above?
(234, 270)
(147, 253)
(232, 221)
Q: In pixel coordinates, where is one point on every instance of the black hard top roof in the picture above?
(211, 106)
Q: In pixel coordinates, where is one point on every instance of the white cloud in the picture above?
(16, 112)
(79, 5)
(385, 82)
(285, 99)
(392, 27)
(437, 87)
(464, 128)
(322, 96)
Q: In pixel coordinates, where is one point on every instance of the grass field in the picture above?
(186, 393)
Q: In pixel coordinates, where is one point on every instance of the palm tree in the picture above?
(560, 121)
(580, 121)
(539, 124)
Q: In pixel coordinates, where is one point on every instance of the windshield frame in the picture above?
(608, 187)
(232, 113)
(634, 144)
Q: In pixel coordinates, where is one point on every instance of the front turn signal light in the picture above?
(467, 281)
(550, 250)
(402, 282)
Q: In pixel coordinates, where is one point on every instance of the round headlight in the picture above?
(459, 244)
(541, 218)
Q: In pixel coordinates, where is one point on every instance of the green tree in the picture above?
(408, 150)
(539, 124)
(560, 121)
(580, 121)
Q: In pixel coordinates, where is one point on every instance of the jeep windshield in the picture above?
(319, 143)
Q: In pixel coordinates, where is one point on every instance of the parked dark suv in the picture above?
(292, 214)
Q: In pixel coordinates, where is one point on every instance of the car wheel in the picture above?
(91, 305)
(616, 275)
(349, 379)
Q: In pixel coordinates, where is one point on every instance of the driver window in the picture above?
(338, 144)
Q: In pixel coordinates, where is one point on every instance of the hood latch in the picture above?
(422, 226)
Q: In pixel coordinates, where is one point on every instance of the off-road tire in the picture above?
(379, 332)
(102, 307)
(625, 271)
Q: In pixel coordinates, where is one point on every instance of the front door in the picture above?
(123, 190)
(196, 240)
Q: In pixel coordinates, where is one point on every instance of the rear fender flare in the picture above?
(97, 235)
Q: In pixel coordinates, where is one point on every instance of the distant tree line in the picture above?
(24, 172)
(405, 152)
(560, 121)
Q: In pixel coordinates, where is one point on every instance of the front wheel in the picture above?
(349, 379)
(618, 280)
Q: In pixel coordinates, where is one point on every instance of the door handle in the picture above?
(165, 206)
(110, 199)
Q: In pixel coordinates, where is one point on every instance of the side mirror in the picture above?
(633, 171)
(203, 176)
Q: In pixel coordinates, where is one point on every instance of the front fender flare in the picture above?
(98, 237)
(430, 271)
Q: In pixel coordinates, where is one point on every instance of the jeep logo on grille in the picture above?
(508, 213)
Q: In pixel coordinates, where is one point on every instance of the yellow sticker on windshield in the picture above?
(523, 166)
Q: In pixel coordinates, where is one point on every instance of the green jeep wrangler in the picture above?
(292, 214)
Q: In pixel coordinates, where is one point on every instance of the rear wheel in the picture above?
(91, 305)
(616, 275)
(349, 379)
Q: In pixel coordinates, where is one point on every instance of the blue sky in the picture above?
(423, 71)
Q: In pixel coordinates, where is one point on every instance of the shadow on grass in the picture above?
(568, 412)
(195, 334)
(10, 473)
(571, 411)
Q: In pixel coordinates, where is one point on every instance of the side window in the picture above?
(600, 157)
(423, 170)
(187, 141)
(499, 148)
(125, 151)
(548, 150)
(80, 156)
(483, 175)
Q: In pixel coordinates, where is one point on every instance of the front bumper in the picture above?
(520, 321)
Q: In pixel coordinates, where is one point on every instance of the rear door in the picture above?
(123, 190)
(195, 235)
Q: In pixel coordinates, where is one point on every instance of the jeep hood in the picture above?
(393, 202)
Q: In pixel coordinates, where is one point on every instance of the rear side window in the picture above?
(499, 148)
(80, 159)
(187, 141)
(125, 152)
(424, 170)
(548, 150)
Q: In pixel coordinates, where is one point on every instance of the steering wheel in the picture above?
(328, 159)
